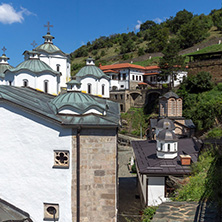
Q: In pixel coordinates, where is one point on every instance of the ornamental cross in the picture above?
(4, 49)
(34, 44)
(48, 26)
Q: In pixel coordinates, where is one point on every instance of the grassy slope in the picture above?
(112, 54)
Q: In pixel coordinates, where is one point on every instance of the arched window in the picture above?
(25, 82)
(89, 88)
(132, 77)
(103, 89)
(57, 67)
(168, 147)
(46, 86)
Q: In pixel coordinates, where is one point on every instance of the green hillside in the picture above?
(187, 31)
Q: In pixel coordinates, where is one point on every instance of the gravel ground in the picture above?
(129, 202)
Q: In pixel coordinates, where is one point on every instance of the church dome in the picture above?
(49, 48)
(166, 135)
(34, 65)
(91, 70)
(79, 102)
(165, 124)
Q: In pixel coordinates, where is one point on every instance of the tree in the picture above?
(158, 39)
(171, 62)
(147, 25)
(198, 83)
(216, 17)
(195, 31)
(182, 17)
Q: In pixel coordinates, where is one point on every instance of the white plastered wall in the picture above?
(35, 81)
(53, 60)
(156, 190)
(28, 178)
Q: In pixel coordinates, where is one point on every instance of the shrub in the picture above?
(148, 214)
(215, 133)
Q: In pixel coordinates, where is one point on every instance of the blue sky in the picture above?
(78, 21)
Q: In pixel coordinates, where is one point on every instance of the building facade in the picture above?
(59, 155)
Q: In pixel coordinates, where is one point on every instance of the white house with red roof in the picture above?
(124, 76)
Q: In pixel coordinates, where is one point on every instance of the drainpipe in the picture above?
(78, 174)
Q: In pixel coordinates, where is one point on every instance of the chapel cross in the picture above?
(48, 26)
(34, 44)
(4, 49)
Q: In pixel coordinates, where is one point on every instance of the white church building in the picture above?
(91, 79)
(45, 68)
(58, 157)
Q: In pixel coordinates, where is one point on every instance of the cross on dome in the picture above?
(4, 49)
(34, 44)
(48, 26)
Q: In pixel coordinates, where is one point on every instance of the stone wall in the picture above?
(214, 67)
(98, 175)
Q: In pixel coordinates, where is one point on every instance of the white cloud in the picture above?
(158, 20)
(137, 27)
(9, 15)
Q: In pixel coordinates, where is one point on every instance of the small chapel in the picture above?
(170, 116)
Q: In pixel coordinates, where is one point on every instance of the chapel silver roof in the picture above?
(165, 124)
(166, 135)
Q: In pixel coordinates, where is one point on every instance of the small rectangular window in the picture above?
(103, 89)
(46, 86)
(89, 88)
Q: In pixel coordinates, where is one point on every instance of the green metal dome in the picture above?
(91, 70)
(49, 48)
(4, 67)
(80, 101)
(34, 65)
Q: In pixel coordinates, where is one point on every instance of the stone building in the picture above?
(58, 157)
(170, 114)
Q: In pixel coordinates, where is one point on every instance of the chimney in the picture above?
(100, 65)
(185, 160)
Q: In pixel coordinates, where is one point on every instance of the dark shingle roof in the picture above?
(48, 105)
(148, 163)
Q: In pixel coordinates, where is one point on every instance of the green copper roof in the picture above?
(49, 48)
(34, 65)
(4, 67)
(73, 82)
(47, 106)
(80, 101)
(91, 70)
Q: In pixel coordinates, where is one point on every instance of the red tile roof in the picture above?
(152, 67)
(121, 66)
(109, 70)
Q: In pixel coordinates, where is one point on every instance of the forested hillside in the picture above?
(185, 29)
